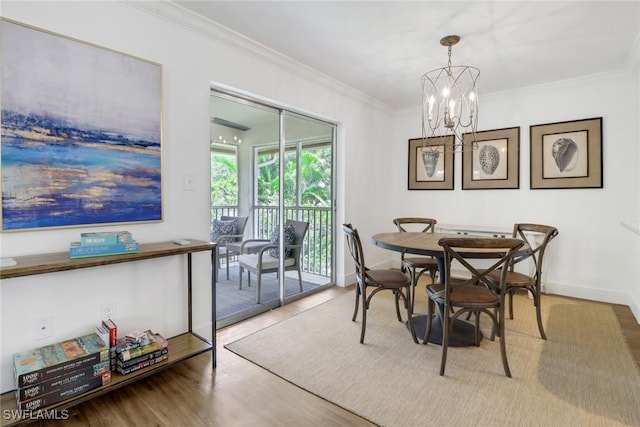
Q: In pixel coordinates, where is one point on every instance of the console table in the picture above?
(181, 347)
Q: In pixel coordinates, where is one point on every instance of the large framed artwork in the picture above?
(567, 154)
(494, 161)
(431, 164)
(81, 140)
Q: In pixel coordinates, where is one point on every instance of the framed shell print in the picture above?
(494, 161)
(567, 154)
(431, 164)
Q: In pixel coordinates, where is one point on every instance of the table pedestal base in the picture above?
(462, 333)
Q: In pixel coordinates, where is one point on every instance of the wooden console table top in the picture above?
(28, 265)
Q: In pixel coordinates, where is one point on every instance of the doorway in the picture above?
(274, 167)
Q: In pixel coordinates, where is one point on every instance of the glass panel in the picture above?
(307, 195)
(224, 175)
(237, 127)
(308, 190)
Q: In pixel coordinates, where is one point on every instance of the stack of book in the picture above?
(56, 372)
(108, 331)
(139, 350)
(103, 243)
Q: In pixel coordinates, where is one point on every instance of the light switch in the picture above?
(189, 182)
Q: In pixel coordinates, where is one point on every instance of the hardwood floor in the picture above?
(238, 393)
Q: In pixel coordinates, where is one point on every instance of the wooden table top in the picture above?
(419, 243)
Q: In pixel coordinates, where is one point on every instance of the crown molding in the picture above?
(178, 15)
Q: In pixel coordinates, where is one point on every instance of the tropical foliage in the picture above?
(315, 177)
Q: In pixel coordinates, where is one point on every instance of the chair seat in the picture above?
(268, 262)
(388, 278)
(420, 262)
(466, 295)
(513, 278)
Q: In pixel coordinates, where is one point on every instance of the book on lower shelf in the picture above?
(108, 331)
(145, 357)
(156, 342)
(69, 390)
(65, 381)
(46, 362)
(143, 364)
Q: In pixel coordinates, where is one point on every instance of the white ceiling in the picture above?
(383, 47)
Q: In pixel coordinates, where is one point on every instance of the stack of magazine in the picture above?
(103, 243)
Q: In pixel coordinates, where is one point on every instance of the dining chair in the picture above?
(417, 265)
(537, 236)
(266, 259)
(377, 280)
(225, 230)
(474, 294)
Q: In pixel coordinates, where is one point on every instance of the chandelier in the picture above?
(450, 105)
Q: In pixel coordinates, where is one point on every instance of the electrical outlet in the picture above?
(109, 311)
(43, 327)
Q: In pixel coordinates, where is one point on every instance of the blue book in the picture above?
(105, 238)
(76, 250)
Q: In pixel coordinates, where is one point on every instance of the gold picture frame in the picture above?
(494, 163)
(81, 137)
(566, 154)
(431, 163)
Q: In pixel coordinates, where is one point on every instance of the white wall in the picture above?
(594, 256)
(151, 294)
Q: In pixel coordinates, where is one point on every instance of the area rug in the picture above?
(582, 375)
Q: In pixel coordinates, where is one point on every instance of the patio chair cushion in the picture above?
(289, 239)
(268, 262)
(223, 228)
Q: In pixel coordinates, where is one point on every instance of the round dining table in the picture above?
(426, 244)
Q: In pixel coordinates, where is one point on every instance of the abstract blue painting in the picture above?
(81, 140)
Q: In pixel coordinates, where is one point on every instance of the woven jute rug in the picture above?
(582, 375)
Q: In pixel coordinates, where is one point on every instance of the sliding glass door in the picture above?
(274, 168)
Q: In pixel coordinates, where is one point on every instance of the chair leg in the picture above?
(427, 333)
(503, 347)
(227, 256)
(397, 298)
(300, 279)
(510, 303)
(477, 329)
(364, 315)
(240, 271)
(412, 277)
(536, 300)
(259, 283)
(494, 328)
(355, 309)
(409, 305)
(445, 338)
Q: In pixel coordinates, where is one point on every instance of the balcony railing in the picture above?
(318, 243)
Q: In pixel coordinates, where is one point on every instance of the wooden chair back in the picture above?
(355, 249)
(462, 249)
(426, 225)
(537, 236)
